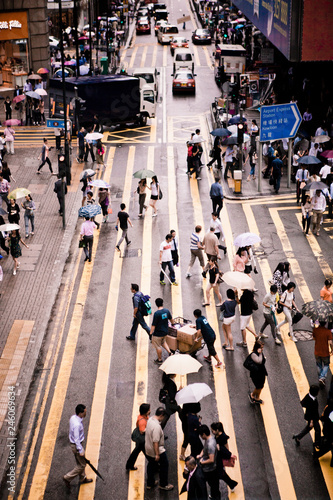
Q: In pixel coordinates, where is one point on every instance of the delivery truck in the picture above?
(115, 99)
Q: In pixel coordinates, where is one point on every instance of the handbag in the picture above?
(137, 437)
(160, 194)
(297, 317)
(110, 210)
(211, 153)
(255, 305)
(249, 364)
(82, 244)
(230, 462)
(271, 180)
(279, 308)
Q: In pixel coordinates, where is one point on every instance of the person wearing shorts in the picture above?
(229, 309)
(160, 329)
(246, 303)
(206, 331)
(196, 250)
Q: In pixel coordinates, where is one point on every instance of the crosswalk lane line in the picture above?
(165, 55)
(196, 55)
(153, 61)
(131, 63)
(208, 58)
(143, 57)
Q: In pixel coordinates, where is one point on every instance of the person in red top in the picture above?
(323, 349)
(326, 291)
(141, 423)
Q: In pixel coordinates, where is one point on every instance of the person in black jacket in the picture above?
(223, 453)
(58, 189)
(327, 442)
(310, 403)
(195, 485)
(171, 405)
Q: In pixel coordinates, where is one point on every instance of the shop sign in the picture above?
(13, 25)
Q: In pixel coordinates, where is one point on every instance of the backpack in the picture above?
(145, 305)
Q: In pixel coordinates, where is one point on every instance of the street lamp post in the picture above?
(65, 112)
(76, 40)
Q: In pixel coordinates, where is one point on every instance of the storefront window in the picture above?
(13, 48)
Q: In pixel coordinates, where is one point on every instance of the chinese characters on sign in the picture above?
(279, 122)
(5, 25)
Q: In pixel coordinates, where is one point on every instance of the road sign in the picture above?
(280, 121)
(64, 5)
(55, 123)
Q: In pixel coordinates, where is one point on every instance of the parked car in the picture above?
(178, 42)
(166, 33)
(183, 60)
(143, 27)
(143, 11)
(162, 22)
(183, 81)
(201, 36)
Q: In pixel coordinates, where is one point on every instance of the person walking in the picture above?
(13, 212)
(41, 107)
(287, 300)
(211, 246)
(223, 453)
(302, 177)
(160, 329)
(44, 155)
(14, 239)
(215, 221)
(213, 282)
(3, 237)
(240, 260)
(216, 195)
(270, 303)
(323, 349)
(327, 441)
(216, 156)
(318, 206)
(228, 310)
(141, 424)
(195, 483)
(205, 331)
(326, 291)
(165, 260)
(196, 251)
(155, 194)
(277, 278)
(156, 452)
(141, 190)
(89, 149)
(193, 425)
(258, 372)
(138, 318)
(5, 172)
(87, 236)
(80, 145)
(4, 189)
(311, 415)
(100, 151)
(229, 161)
(170, 389)
(8, 108)
(207, 460)
(29, 208)
(122, 221)
(306, 214)
(104, 201)
(9, 135)
(76, 439)
(248, 305)
(174, 248)
(60, 192)
(277, 166)
(57, 135)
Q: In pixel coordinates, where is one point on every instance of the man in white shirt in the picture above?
(319, 205)
(76, 438)
(229, 160)
(216, 223)
(302, 177)
(315, 149)
(166, 260)
(324, 171)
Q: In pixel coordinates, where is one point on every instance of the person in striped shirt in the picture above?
(196, 250)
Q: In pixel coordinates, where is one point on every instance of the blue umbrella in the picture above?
(90, 211)
(236, 119)
(220, 132)
(239, 26)
(308, 160)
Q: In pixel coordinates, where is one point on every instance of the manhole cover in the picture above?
(303, 335)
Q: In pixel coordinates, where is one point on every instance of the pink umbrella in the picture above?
(43, 71)
(12, 122)
(19, 98)
(84, 38)
(70, 63)
(327, 154)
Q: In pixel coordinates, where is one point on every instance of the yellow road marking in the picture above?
(208, 58)
(136, 483)
(153, 130)
(131, 63)
(123, 55)
(196, 56)
(95, 432)
(165, 55)
(143, 57)
(153, 61)
(44, 461)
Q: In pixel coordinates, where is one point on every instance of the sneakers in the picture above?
(263, 336)
(117, 248)
(208, 359)
(158, 361)
(322, 382)
(162, 282)
(175, 283)
(129, 338)
(241, 344)
(188, 275)
(154, 215)
(128, 244)
(294, 339)
(218, 365)
(168, 487)
(14, 272)
(297, 441)
(27, 236)
(38, 172)
(198, 178)
(278, 341)
(150, 487)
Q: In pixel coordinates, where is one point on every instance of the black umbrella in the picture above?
(93, 468)
(230, 141)
(318, 310)
(308, 160)
(235, 120)
(220, 132)
(315, 185)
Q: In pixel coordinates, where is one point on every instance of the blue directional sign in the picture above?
(280, 121)
(55, 123)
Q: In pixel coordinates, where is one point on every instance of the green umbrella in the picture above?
(19, 193)
(143, 174)
(318, 310)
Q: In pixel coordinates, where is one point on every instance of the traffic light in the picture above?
(221, 76)
(234, 91)
(240, 133)
(62, 165)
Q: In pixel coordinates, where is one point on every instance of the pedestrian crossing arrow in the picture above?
(279, 121)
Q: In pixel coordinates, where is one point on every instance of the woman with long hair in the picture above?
(13, 212)
(228, 308)
(141, 190)
(155, 194)
(223, 453)
(14, 240)
(240, 260)
(213, 281)
(258, 371)
(278, 277)
(29, 207)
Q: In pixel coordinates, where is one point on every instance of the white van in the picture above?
(183, 59)
(166, 33)
(150, 76)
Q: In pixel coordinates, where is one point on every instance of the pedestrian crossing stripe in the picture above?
(133, 135)
(180, 128)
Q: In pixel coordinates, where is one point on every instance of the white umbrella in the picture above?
(193, 393)
(94, 136)
(99, 183)
(233, 129)
(321, 138)
(238, 280)
(89, 172)
(180, 364)
(246, 239)
(41, 91)
(84, 70)
(9, 227)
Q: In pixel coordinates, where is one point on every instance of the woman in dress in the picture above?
(9, 134)
(214, 275)
(29, 207)
(285, 276)
(155, 194)
(229, 310)
(258, 371)
(240, 260)
(287, 300)
(141, 190)
(13, 212)
(14, 240)
(223, 453)
(278, 277)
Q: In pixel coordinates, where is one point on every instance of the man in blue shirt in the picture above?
(277, 166)
(216, 194)
(160, 329)
(80, 143)
(137, 314)
(206, 331)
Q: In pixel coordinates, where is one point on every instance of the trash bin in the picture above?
(238, 181)
(104, 65)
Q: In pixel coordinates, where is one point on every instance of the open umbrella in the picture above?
(221, 132)
(239, 26)
(84, 70)
(19, 98)
(43, 71)
(83, 38)
(90, 211)
(72, 62)
(41, 91)
(180, 364)
(19, 193)
(33, 95)
(236, 119)
(89, 172)
(193, 393)
(230, 141)
(34, 77)
(321, 138)
(246, 137)
(12, 123)
(197, 140)
(318, 310)
(94, 136)
(308, 160)
(99, 183)
(315, 185)
(240, 280)
(68, 72)
(327, 154)
(9, 227)
(246, 239)
(2, 211)
(143, 174)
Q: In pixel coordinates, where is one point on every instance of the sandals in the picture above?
(229, 348)
(206, 304)
(225, 346)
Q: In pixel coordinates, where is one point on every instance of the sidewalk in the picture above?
(27, 298)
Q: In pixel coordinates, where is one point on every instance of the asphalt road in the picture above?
(97, 366)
